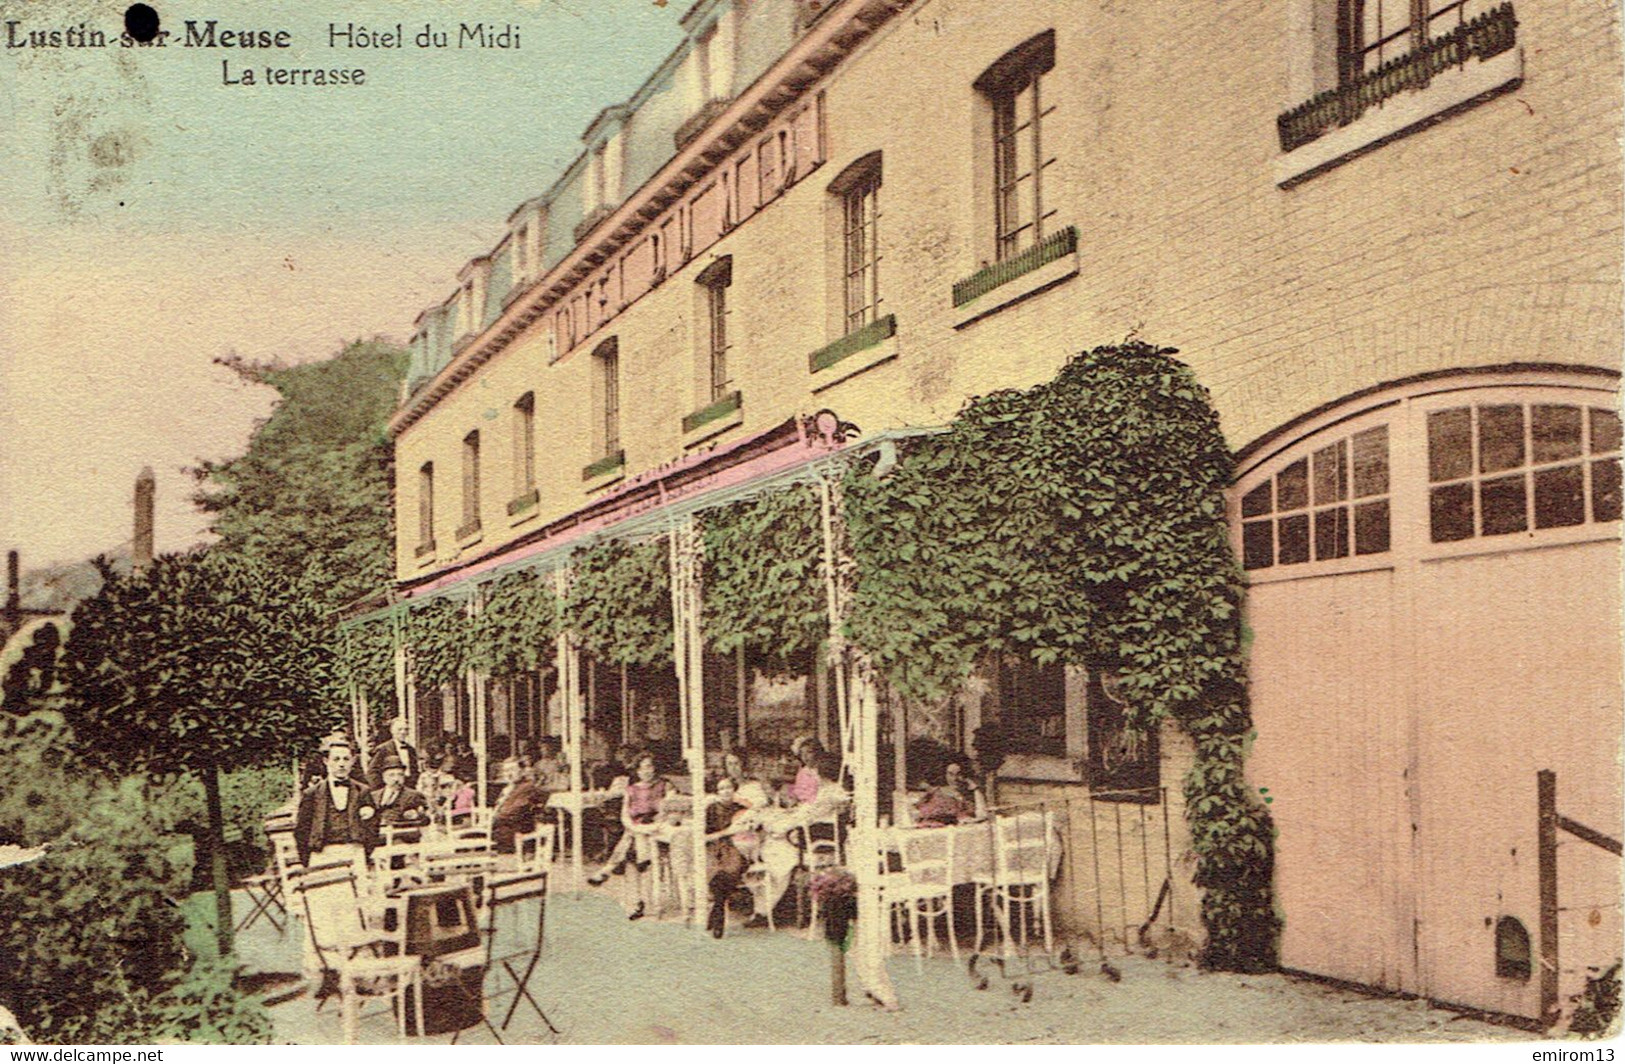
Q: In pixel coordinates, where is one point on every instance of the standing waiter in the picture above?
(335, 823)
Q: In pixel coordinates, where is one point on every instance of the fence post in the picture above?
(1546, 787)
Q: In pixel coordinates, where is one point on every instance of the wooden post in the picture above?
(1546, 851)
(568, 663)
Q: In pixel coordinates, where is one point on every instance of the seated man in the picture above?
(522, 802)
(399, 806)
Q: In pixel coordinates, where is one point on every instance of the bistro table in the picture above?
(574, 804)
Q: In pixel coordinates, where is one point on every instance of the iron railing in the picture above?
(1488, 35)
(1057, 245)
(707, 414)
(527, 501)
(883, 328)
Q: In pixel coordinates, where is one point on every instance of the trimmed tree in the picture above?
(201, 664)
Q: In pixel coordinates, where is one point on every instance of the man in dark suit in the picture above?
(398, 805)
(397, 747)
(336, 815)
(337, 821)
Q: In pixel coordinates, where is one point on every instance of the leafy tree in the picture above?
(202, 663)
(311, 497)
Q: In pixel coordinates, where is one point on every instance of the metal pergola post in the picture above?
(568, 667)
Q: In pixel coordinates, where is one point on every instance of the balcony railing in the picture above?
(1490, 34)
(857, 340)
(707, 414)
(424, 550)
(1057, 245)
(468, 529)
(604, 466)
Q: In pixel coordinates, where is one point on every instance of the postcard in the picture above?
(810, 522)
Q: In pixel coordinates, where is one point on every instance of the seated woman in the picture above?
(819, 779)
(748, 790)
(955, 800)
(640, 809)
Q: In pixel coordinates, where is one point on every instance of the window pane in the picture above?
(1556, 432)
(1292, 486)
(1605, 490)
(1294, 533)
(1331, 474)
(1604, 431)
(1450, 513)
(1560, 495)
(1371, 462)
(1500, 438)
(1501, 501)
(1371, 527)
(1257, 544)
(1450, 445)
(1257, 501)
(1332, 533)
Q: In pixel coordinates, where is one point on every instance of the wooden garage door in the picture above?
(1406, 692)
(1332, 753)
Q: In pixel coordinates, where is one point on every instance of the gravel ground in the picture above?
(604, 980)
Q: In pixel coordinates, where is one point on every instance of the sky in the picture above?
(154, 218)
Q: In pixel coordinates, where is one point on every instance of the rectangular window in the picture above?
(1373, 32)
(1033, 698)
(1014, 87)
(862, 230)
(426, 506)
(524, 444)
(609, 375)
(1124, 765)
(471, 482)
(714, 281)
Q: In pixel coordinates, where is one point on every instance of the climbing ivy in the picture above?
(763, 575)
(1082, 522)
(367, 659)
(438, 632)
(517, 621)
(619, 604)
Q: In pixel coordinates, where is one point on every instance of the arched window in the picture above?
(858, 190)
(1014, 88)
(1440, 465)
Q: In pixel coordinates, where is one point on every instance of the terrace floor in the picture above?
(606, 980)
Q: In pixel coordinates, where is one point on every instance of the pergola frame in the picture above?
(855, 695)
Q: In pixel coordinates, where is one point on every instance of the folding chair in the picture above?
(506, 895)
(264, 890)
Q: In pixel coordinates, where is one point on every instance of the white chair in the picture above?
(1019, 882)
(533, 850)
(821, 849)
(369, 962)
(396, 866)
(925, 886)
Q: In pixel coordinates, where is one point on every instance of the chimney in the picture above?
(14, 599)
(141, 552)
